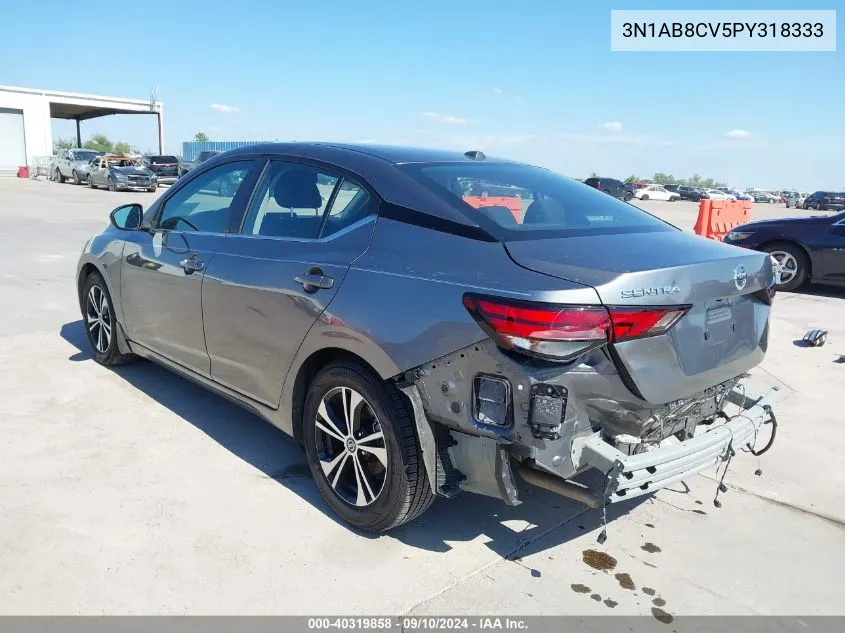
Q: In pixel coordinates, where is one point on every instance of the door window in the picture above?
(351, 203)
(205, 203)
(290, 201)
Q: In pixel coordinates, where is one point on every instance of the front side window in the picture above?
(205, 203)
(531, 202)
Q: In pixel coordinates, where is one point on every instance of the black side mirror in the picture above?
(127, 217)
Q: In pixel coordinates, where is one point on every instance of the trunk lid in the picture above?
(725, 331)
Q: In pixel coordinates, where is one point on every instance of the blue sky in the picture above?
(529, 79)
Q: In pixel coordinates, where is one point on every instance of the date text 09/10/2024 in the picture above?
(722, 29)
(422, 623)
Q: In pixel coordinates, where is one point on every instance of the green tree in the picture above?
(62, 144)
(632, 179)
(663, 179)
(201, 137)
(122, 148)
(100, 143)
(594, 175)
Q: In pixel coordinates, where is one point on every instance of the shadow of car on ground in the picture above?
(506, 529)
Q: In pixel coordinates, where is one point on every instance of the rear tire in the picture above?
(152, 189)
(644, 196)
(100, 322)
(793, 259)
(382, 448)
(91, 184)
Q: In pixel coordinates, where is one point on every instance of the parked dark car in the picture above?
(825, 201)
(809, 248)
(689, 193)
(186, 166)
(417, 346)
(165, 167)
(612, 186)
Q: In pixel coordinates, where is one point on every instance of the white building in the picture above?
(25, 113)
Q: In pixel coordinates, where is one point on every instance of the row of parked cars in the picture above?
(671, 193)
(119, 171)
(820, 200)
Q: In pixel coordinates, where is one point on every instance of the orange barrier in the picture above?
(513, 204)
(716, 218)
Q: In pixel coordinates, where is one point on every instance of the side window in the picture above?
(290, 201)
(352, 203)
(204, 203)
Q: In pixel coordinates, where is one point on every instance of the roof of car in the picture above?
(395, 154)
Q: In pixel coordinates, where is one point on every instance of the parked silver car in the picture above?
(417, 345)
(120, 173)
(73, 164)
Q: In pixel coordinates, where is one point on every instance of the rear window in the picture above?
(162, 160)
(526, 202)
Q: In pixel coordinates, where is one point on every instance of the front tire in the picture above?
(111, 184)
(794, 266)
(59, 177)
(76, 179)
(644, 197)
(362, 449)
(100, 323)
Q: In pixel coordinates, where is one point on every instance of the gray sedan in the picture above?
(421, 342)
(120, 174)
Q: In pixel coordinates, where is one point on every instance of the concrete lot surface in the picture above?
(134, 491)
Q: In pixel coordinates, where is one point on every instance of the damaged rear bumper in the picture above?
(629, 476)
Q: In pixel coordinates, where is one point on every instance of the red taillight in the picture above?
(563, 332)
(631, 323)
(598, 186)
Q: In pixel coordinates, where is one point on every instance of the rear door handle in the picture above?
(314, 281)
(191, 264)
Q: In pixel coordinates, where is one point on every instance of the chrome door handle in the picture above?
(313, 282)
(191, 264)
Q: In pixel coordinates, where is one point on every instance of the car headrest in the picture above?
(297, 188)
(544, 212)
(499, 214)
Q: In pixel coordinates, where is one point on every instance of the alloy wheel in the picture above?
(786, 266)
(98, 319)
(351, 447)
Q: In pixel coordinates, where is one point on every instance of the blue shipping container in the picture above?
(190, 149)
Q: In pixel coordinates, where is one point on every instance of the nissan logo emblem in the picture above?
(740, 277)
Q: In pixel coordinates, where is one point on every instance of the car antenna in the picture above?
(475, 154)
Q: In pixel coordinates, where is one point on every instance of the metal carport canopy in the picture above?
(80, 107)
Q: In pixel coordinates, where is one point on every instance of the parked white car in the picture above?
(715, 194)
(656, 192)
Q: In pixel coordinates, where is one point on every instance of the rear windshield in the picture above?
(162, 160)
(518, 202)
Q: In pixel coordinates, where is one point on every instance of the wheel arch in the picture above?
(296, 385)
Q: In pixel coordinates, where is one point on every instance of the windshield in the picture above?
(162, 160)
(86, 156)
(517, 202)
